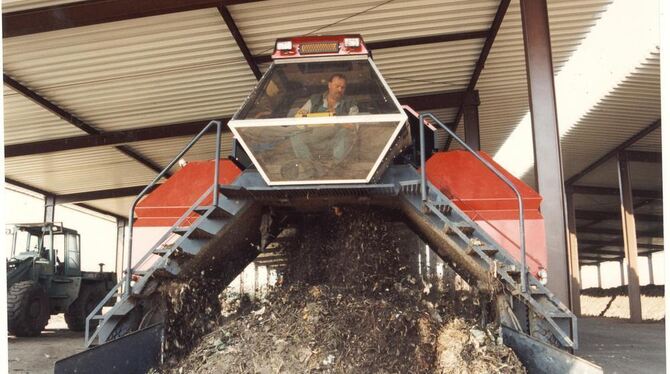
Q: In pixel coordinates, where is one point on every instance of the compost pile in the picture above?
(613, 302)
(351, 300)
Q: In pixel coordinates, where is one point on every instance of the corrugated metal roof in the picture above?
(630, 107)
(650, 143)
(502, 85)
(263, 22)
(148, 71)
(79, 170)
(119, 205)
(16, 5)
(185, 67)
(163, 151)
(646, 176)
(435, 67)
(26, 121)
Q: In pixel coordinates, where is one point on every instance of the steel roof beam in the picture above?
(632, 140)
(481, 62)
(230, 22)
(614, 216)
(638, 156)
(617, 243)
(420, 102)
(28, 187)
(617, 255)
(595, 190)
(108, 138)
(72, 119)
(101, 194)
(48, 105)
(441, 38)
(438, 100)
(407, 42)
(86, 13)
(618, 232)
(100, 211)
(47, 193)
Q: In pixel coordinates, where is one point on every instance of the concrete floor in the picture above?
(37, 355)
(619, 346)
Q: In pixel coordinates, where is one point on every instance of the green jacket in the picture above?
(342, 109)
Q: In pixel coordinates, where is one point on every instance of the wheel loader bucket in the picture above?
(134, 353)
(540, 357)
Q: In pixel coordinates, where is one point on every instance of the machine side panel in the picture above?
(491, 203)
(164, 205)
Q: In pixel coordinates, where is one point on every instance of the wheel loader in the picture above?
(323, 130)
(39, 284)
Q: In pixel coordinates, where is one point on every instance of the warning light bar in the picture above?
(310, 46)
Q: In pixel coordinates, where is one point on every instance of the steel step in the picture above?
(197, 233)
(489, 251)
(212, 211)
(162, 250)
(464, 228)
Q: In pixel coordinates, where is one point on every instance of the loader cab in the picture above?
(321, 114)
(48, 244)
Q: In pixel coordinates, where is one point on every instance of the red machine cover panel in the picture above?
(164, 205)
(491, 203)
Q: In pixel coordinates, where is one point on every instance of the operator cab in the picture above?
(45, 242)
(321, 114)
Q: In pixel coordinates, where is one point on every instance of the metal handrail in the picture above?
(88, 339)
(140, 262)
(422, 116)
(169, 233)
(215, 197)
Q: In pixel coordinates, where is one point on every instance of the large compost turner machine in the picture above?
(323, 129)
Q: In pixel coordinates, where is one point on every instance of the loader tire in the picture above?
(27, 309)
(76, 314)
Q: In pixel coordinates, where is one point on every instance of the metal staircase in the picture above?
(538, 312)
(199, 228)
(534, 309)
(204, 230)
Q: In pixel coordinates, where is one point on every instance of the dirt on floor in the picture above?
(37, 355)
(349, 301)
(613, 302)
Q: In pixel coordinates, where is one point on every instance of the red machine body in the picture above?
(319, 46)
(491, 203)
(472, 187)
(163, 206)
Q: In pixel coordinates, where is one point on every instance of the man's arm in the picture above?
(353, 110)
(305, 109)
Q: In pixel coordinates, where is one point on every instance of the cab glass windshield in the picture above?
(315, 89)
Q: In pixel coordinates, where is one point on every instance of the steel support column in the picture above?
(650, 263)
(49, 208)
(548, 164)
(575, 276)
(471, 122)
(630, 239)
(600, 276)
(120, 240)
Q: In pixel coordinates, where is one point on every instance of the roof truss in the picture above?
(95, 12)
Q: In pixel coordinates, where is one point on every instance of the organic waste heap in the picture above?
(351, 300)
